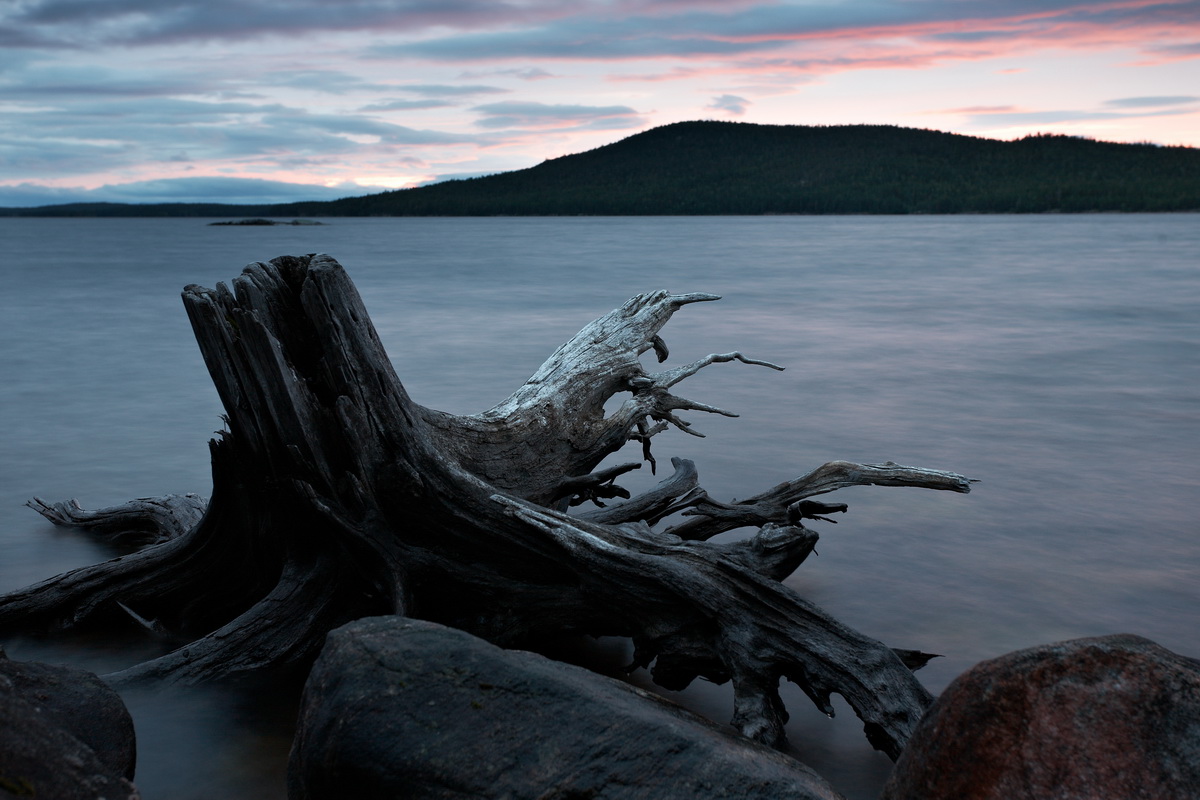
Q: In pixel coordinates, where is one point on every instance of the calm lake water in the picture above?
(1054, 358)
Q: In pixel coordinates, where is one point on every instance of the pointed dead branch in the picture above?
(710, 518)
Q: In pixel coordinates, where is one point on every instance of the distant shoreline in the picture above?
(4, 213)
(743, 169)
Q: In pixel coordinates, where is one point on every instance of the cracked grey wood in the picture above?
(335, 496)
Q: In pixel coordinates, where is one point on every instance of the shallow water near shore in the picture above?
(1056, 359)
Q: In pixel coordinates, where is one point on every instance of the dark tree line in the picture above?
(701, 168)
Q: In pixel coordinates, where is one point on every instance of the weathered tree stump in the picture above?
(335, 497)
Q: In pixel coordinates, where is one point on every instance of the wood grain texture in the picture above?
(336, 497)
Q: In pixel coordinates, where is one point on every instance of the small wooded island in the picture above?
(733, 168)
(264, 223)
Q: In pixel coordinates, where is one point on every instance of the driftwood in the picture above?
(335, 497)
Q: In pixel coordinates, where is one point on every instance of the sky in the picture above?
(265, 101)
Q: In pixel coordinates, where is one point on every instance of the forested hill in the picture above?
(741, 168)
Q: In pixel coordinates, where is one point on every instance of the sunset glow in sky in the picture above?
(269, 101)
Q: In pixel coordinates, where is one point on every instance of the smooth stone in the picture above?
(64, 734)
(399, 708)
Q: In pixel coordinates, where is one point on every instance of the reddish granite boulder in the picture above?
(1111, 717)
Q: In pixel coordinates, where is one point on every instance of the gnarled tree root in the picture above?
(336, 496)
(147, 520)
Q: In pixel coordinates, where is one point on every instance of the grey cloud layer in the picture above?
(1145, 102)
(449, 90)
(80, 136)
(181, 190)
(762, 27)
(730, 103)
(1120, 108)
(541, 115)
(70, 23)
(598, 29)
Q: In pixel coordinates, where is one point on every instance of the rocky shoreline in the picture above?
(396, 707)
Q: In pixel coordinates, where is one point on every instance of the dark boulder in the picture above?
(397, 708)
(1110, 717)
(63, 734)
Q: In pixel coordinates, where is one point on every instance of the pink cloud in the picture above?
(976, 110)
(1162, 30)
